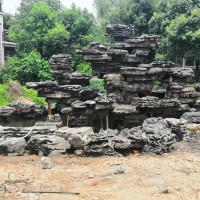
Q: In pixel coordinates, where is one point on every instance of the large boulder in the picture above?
(101, 144)
(48, 145)
(12, 146)
(192, 117)
(160, 138)
(178, 127)
(152, 125)
(77, 137)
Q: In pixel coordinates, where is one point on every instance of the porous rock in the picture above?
(48, 145)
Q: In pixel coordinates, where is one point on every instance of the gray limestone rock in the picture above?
(192, 117)
(14, 146)
(178, 127)
(160, 138)
(46, 163)
(77, 137)
(48, 145)
(152, 125)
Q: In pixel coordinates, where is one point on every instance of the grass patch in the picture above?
(96, 83)
(28, 93)
(4, 98)
(33, 95)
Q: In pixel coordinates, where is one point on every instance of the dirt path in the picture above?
(170, 177)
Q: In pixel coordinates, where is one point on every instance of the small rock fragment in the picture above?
(46, 163)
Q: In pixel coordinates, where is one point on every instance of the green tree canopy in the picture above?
(40, 31)
(136, 12)
(79, 23)
(7, 19)
(177, 21)
(183, 35)
(25, 68)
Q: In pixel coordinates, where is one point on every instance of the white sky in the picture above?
(10, 6)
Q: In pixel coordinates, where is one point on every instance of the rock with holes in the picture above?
(48, 145)
(101, 144)
(159, 137)
(178, 127)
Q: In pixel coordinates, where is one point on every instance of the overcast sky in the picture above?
(10, 6)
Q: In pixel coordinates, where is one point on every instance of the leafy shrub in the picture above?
(157, 84)
(4, 98)
(31, 94)
(160, 57)
(28, 68)
(84, 68)
(96, 83)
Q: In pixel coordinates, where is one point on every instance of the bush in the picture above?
(31, 94)
(84, 68)
(28, 68)
(4, 98)
(96, 83)
(160, 57)
(157, 84)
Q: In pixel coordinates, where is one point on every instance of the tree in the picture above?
(168, 10)
(81, 26)
(183, 35)
(26, 6)
(177, 21)
(26, 68)
(7, 19)
(40, 30)
(136, 12)
(79, 23)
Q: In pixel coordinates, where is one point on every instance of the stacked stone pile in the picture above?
(21, 113)
(120, 32)
(61, 67)
(155, 135)
(134, 90)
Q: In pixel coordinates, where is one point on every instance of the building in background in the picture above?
(6, 46)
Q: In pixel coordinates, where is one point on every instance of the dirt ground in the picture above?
(174, 176)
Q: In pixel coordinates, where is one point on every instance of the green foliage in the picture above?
(82, 28)
(84, 68)
(28, 68)
(39, 30)
(160, 57)
(197, 75)
(31, 94)
(178, 21)
(96, 83)
(157, 84)
(79, 23)
(46, 27)
(137, 12)
(6, 22)
(4, 98)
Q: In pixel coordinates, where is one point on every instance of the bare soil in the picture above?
(174, 176)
